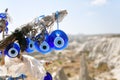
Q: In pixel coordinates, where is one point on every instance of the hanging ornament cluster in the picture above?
(3, 18)
(36, 37)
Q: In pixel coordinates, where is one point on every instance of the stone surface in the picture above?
(29, 66)
(84, 75)
(60, 75)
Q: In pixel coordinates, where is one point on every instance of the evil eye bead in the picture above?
(3, 15)
(30, 45)
(48, 76)
(44, 47)
(12, 50)
(6, 30)
(0, 31)
(58, 40)
(22, 76)
(0, 53)
(6, 23)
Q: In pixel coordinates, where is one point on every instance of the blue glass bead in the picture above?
(6, 30)
(0, 31)
(10, 78)
(22, 76)
(30, 46)
(43, 47)
(3, 15)
(12, 50)
(48, 76)
(0, 52)
(7, 23)
(58, 40)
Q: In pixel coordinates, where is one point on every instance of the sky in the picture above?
(84, 16)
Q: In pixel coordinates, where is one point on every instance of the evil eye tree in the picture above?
(36, 35)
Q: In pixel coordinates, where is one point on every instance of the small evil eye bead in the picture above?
(22, 76)
(43, 47)
(3, 15)
(30, 45)
(58, 40)
(12, 50)
(48, 76)
(6, 23)
(6, 30)
(10, 78)
(0, 31)
(0, 52)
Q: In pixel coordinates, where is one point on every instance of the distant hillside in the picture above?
(103, 48)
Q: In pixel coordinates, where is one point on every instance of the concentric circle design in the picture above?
(12, 50)
(58, 40)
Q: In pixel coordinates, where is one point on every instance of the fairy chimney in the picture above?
(84, 75)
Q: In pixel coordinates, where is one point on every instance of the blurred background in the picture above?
(94, 37)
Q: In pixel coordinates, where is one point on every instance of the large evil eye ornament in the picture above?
(58, 40)
(12, 50)
(48, 76)
(30, 45)
(43, 47)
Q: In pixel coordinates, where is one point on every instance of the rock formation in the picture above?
(84, 75)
